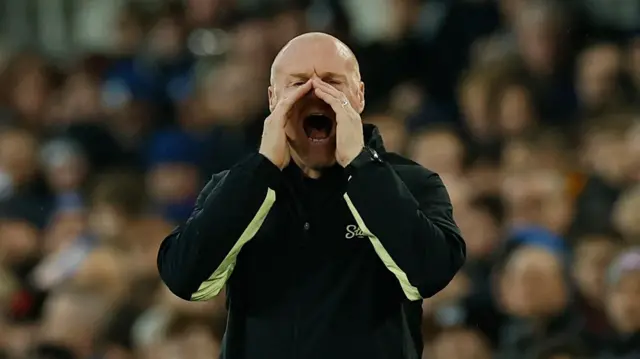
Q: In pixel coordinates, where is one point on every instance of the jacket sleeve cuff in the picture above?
(257, 169)
(267, 170)
(366, 157)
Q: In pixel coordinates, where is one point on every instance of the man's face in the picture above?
(473, 100)
(626, 214)
(17, 156)
(106, 221)
(623, 303)
(537, 37)
(598, 70)
(606, 153)
(593, 256)
(18, 240)
(516, 110)
(440, 151)
(532, 284)
(311, 128)
(172, 182)
(72, 319)
(480, 232)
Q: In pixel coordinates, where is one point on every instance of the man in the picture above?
(623, 307)
(325, 242)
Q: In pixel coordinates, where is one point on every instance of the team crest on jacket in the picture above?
(354, 231)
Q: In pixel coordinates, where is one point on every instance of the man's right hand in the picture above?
(274, 144)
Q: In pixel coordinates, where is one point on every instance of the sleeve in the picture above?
(413, 232)
(197, 258)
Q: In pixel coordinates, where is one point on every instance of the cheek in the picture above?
(293, 130)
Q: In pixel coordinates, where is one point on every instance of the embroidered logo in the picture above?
(354, 231)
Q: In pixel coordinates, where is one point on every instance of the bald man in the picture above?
(325, 242)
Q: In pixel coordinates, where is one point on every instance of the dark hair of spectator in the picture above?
(122, 190)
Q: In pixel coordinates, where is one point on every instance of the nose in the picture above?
(311, 94)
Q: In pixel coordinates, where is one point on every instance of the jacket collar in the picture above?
(372, 137)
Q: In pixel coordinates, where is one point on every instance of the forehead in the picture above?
(534, 260)
(314, 56)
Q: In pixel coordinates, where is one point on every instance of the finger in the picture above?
(339, 100)
(335, 103)
(339, 95)
(317, 83)
(287, 103)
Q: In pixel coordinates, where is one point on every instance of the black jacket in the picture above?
(329, 268)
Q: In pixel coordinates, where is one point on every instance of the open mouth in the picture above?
(317, 127)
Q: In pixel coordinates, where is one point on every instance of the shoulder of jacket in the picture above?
(214, 181)
(217, 177)
(408, 169)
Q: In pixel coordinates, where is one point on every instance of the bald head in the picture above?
(312, 43)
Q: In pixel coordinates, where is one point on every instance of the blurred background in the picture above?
(114, 113)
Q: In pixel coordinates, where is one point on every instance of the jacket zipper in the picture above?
(301, 214)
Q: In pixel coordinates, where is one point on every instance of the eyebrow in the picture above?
(322, 75)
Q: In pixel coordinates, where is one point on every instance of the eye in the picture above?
(332, 82)
(298, 83)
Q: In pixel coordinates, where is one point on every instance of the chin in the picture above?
(323, 165)
(319, 161)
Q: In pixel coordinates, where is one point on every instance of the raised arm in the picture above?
(197, 258)
(412, 231)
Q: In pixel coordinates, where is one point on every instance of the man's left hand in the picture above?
(349, 137)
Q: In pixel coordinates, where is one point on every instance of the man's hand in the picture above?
(349, 137)
(274, 144)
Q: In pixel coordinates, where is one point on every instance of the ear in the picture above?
(360, 106)
(273, 99)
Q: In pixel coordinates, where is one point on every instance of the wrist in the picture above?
(367, 156)
(268, 170)
(350, 155)
(271, 160)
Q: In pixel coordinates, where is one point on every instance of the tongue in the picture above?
(317, 134)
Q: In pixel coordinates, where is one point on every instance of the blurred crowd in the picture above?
(528, 109)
